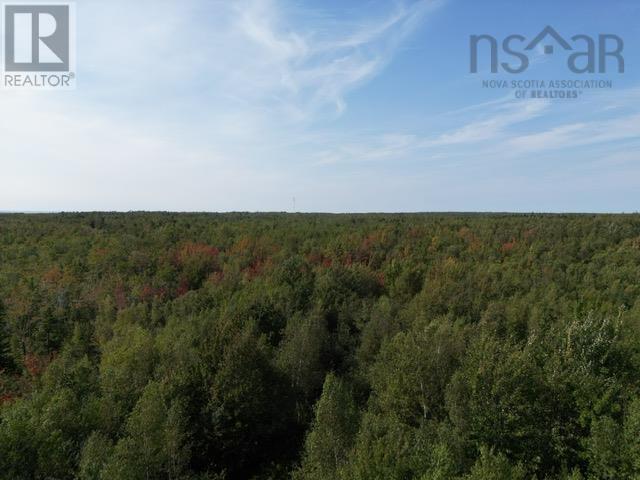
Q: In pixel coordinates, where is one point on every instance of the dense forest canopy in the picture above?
(347, 347)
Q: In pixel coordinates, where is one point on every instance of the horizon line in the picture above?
(283, 212)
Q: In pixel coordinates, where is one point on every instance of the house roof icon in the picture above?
(549, 31)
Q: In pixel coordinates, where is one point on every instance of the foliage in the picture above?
(347, 347)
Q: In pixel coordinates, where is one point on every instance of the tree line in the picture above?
(348, 347)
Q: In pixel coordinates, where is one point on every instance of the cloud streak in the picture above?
(187, 105)
(493, 130)
(304, 71)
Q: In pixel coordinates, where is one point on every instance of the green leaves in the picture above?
(155, 445)
(500, 398)
(412, 347)
(97, 452)
(250, 408)
(492, 466)
(414, 369)
(333, 431)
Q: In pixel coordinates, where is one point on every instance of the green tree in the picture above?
(631, 437)
(303, 352)
(500, 398)
(411, 374)
(96, 453)
(333, 431)
(6, 362)
(155, 445)
(606, 457)
(126, 366)
(250, 407)
(39, 436)
(385, 449)
(492, 466)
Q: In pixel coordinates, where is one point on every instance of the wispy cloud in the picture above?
(581, 134)
(264, 61)
(495, 124)
(305, 70)
(494, 129)
(195, 98)
(486, 125)
(262, 55)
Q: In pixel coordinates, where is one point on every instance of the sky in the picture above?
(346, 106)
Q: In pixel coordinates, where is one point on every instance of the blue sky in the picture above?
(201, 105)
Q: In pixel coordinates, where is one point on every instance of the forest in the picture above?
(319, 347)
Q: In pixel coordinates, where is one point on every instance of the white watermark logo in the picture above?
(587, 54)
(513, 55)
(38, 48)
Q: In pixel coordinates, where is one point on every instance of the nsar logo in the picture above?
(587, 54)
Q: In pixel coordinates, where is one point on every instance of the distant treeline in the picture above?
(319, 347)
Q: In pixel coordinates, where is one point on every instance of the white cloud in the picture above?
(488, 126)
(187, 105)
(579, 134)
(492, 131)
(301, 70)
(269, 57)
(494, 125)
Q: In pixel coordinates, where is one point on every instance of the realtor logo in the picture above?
(38, 45)
(37, 38)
